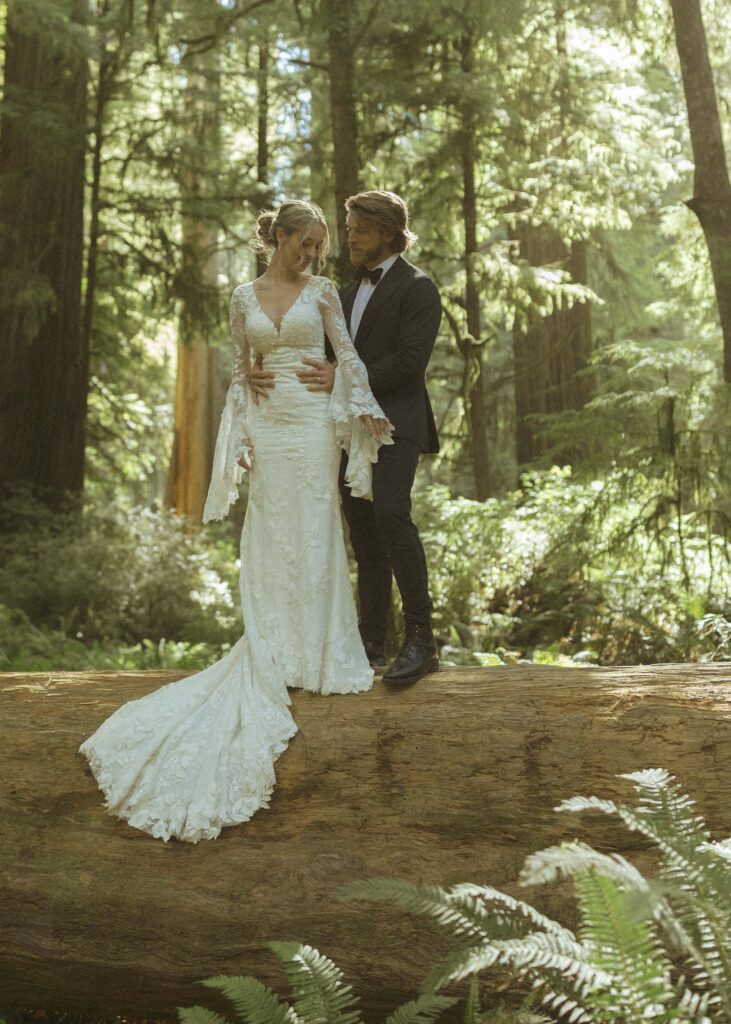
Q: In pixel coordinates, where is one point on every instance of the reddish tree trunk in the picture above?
(199, 391)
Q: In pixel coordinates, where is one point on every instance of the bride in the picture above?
(198, 754)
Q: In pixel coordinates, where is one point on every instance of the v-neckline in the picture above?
(286, 312)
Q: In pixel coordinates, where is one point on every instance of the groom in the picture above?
(393, 311)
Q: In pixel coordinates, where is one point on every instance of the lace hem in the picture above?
(197, 825)
(347, 405)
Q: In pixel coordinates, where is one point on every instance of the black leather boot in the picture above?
(418, 657)
(376, 655)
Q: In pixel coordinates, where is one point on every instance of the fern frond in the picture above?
(576, 804)
(462, 914)
(467, 910)
(253, 1001)
(319, 994)
(505, 909)
(423, 1010)
(695, 1006)
(563, 1005)
(199, 1015)
(472, 1003)
(572, 858)
(701, 887)
(536, 952)
(721, 847)
(625, 944)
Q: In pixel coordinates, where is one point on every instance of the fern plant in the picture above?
(644, 951)
(319, 995)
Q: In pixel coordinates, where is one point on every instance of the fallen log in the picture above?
(452, 780)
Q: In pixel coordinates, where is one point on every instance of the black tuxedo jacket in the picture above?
(395, 339)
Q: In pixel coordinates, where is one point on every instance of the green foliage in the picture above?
(570, 570)
(644, 950)
(574, 113)
(25, 647)
(319, 995)
(130, 575)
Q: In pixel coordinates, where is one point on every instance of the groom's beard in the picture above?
(370, 256)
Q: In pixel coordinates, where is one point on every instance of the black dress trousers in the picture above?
(386, 541)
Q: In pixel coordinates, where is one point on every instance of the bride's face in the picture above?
(298, 250)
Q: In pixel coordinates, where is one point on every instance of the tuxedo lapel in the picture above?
(383, 291)
(347, 298)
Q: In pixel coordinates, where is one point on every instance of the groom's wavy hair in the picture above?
(388, 211)
(291, 215)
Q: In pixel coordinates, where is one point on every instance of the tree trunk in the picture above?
(262, 126)
(551, 358)
(43, 395)
(338, 14)
(472, 346)
(452, 780)
(711, 201)
(320, 141)
(199, 392)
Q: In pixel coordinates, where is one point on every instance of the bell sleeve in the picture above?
(233, 433)
(351, 398)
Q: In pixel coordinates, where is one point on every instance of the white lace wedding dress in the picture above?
(199, 753)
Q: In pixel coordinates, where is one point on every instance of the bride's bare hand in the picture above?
(376, 428)
(246, 460)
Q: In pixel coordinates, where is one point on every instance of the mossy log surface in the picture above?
(452, 780)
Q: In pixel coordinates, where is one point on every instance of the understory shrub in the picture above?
(563, 571)
(601, 571)
(127, 575)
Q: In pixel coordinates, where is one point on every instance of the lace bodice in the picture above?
(315, 312)
(301, 332)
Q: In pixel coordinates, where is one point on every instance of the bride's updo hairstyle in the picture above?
(291, 216)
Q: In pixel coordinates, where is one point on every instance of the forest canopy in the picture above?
(565, 168)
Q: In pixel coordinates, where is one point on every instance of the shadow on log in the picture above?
(452, 780)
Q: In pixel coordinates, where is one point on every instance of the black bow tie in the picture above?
(374, 276)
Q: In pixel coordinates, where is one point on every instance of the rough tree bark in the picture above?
(262, 125)
(199, 392)
(711, 201)
(472, 346)
(452, 780)
(551, 357)
(339, 20)
(44, 389)
(320, 140)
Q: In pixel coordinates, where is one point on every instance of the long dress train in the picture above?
(198, 754)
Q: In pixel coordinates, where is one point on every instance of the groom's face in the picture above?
(367, 242)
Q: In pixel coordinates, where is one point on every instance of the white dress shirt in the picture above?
(366, 289)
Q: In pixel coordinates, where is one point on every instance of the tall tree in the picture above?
(198, 385)
(711, 201)
(262, 121)
(552, 355)
(471, 345)
(341, 45)
(43, 395)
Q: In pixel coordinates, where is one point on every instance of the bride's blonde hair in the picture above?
(292, 215)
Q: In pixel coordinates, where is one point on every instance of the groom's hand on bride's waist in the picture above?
(317, 374)
(261, 381)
